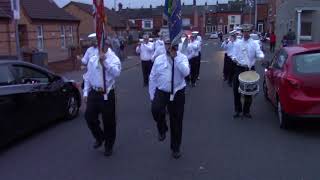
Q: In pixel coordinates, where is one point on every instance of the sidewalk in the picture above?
(76, 75)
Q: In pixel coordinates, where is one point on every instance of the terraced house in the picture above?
(49, 29)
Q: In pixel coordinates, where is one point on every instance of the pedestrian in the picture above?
(245, 53)
(146, 50)
(228, 68)
(167, 91)
(273, 40)
(194, 59)
(91, 51)
(116, 45)
(220, 36)
(199, 39)
(99, 94)
(284, 41)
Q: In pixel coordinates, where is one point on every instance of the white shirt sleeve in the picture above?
(153, 79)
(87, 85)
(113, 66)
(138, 49)
(86, 57)
(182, 65)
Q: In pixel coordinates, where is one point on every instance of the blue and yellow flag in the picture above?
(172, 12)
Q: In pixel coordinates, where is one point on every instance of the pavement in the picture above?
(215, 146)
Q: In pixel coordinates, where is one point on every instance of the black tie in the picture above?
(172, 77)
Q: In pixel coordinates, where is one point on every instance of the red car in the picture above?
(292, 82)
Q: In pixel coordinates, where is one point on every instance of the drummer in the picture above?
(245, 53)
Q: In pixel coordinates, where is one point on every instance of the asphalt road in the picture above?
(215, 146)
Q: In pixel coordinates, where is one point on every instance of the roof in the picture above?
(48, 11)
(296, 49)
(5, 9)
(113, 18)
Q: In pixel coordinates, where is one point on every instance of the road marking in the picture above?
(204, 61)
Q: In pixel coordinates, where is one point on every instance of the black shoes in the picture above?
(97, 144)
(176, 154)
(237, 115)
(108, 152)
(247, 115)
(162, 137)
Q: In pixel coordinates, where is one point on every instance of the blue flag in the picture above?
(172, 12)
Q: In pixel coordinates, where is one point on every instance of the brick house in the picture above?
(115, 23)
(302, 17)
(49, 29)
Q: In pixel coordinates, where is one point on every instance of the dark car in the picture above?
(292, 82)
(31, 97)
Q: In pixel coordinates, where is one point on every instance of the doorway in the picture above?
(23, 35)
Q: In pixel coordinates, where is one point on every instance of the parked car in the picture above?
(31, 97)
(292, 82)
(214, 35)
(256, 39)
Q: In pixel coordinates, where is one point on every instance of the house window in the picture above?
(63, 37)
(209, 29)
(70, 36)
(40, 42)
(233, 20)
(147, 24)
(186, 22)
(306, 28)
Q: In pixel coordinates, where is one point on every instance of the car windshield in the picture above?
(254, 36)
(307, 63)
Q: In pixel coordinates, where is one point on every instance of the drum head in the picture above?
(249, 76)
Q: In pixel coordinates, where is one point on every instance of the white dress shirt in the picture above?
(91, 51)
(158, 43)
(245, 52)
(183, 46)
(193, 49)
(159, 51)
(160, 76)
(94, 78)
(199, 39)
(145, 50)
(228, 47)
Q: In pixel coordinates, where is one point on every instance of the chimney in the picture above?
(183, 4)
(120, 6)
(194, 2)
(150, 6)
(206, 4)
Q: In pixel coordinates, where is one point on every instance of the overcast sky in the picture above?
(138, 3)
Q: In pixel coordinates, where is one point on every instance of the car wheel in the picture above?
(72, 107)
(282, 117)
(265, 89)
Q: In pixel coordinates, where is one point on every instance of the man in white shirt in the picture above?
(228, 67)
(159, 42)
(167, 90)
(99, 94)
(145, 49)
(199, 39)
(159, 49)
(193, 48)
(245, 53)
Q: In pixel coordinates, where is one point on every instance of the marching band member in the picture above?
(245, 52)
(167, 90)
(228, 68)
(159, 42)
(145, 49)
(159, 49)
(99, 94)
(199, 39)
(193, 48)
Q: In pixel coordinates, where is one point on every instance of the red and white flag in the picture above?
(99, 22)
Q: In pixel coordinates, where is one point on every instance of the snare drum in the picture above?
(249, 83)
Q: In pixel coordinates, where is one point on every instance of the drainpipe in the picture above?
(299, 11)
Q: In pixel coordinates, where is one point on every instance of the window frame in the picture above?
(40, 37)
(16, 78)
(63, 37)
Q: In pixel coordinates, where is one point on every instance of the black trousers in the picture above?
(272, 47)
(228, 68)
(199, 65)
(96, 105)
(237, 96)
(194, 69)
(162, 101)
(146, 69)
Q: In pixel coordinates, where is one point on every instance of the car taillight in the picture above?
(293, 82)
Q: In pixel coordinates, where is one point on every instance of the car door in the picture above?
(9, 111)
(270, 77)
(34, 83)
(275, 74)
